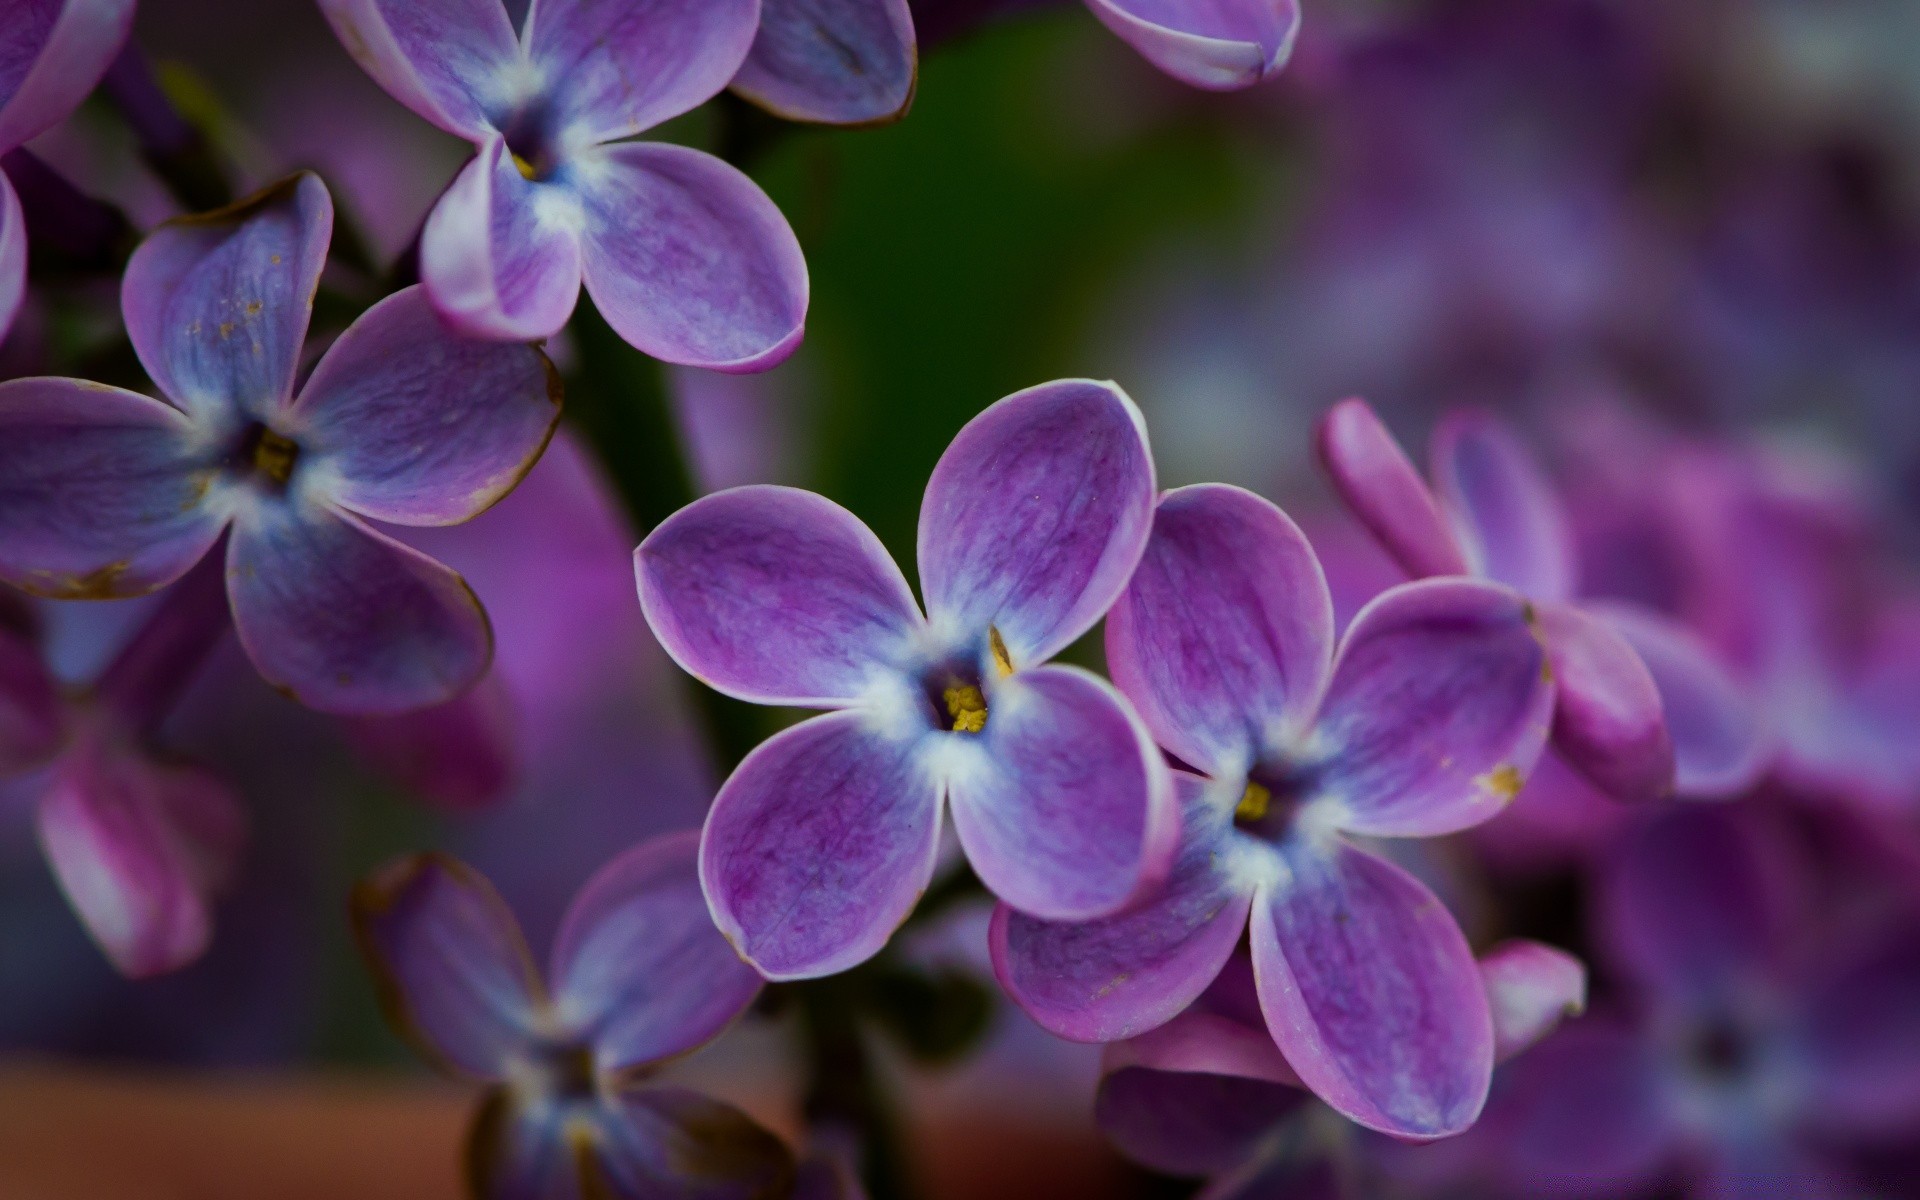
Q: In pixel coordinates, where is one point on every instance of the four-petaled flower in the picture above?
(1426, 721)
(821, 841)
(685, 256)
(638, 977)
(106, 492)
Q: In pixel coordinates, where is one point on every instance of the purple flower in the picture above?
(52, 53)
(1425, 720)
(822, 840)
(637, 978)
(686, 257)
(105, 492)
(836, 62)
(1643, 705)
(1216, 44)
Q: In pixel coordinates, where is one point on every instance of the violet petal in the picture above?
(1383, 490)
(1223, 45)
(447, 60)
(1608, 722)
(500, 254)
(836, 62)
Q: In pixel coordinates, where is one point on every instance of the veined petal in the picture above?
(669, 1142)
(1191, 1123)
(1608, 722)
(689, 260)
(837, 62)
(820, 843)
(1036, 516)
(500, 253)
(409, 422)
(1119, 976)
(1067, 812)
(1224, 637)
(13, 254)
(217, 304)
(1437, 711)
(53, 53)
(1372, 994)
(617, 67)
(448, 961)
(1383, 491)
(776, 595)
(1507, 516)
(32, 711)
(638, 965)
(450, 61)
(348, 620)
(1584, 1113)
(100, 490)
(1531, 988)
(1222, 45)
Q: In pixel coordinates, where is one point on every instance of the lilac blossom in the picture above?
(52, 53)
(822, 840)
(685, 256)
(1643, 704)
(1424, 720)
(1214, 44)
(835, 62)
(106, 492)
(637, 978)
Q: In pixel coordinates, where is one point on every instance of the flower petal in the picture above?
(1583, 1114)
(837, 62)
(689, 260)
(1720, 743)
(1607, 719)
(622, 66)
(1190, 1123)
(1381, 488)
(1506, 514)
(1372, 994)
(217, 304)
(447, 60)
(1223, 45)
(670, 1142)
(32, 712)
(56, 52)
(1113, 978)
(638, 964)
(462, 756)
(448, 961)
(1531, 988)
(100, 490)
(13, 254)
(348, 620)
(1437, 711)
(500, 254)
(776, 595)
(1036, 516)
(1224, 636)
(819, 845)
(413, 424)
(1860, 1035)
(1068, 812)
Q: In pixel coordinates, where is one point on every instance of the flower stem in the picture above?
(146, 678)
(176, 150)
(844, 1093)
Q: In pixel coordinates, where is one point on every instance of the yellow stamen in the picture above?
(525, 168)
(967, 707)
(1254, 802)
(1001, 658)
(273, 456)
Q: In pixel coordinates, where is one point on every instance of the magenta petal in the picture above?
(618, 67)
(500, 254)
(32, 711)
(100, 490)
(346, 619)
(661, 1143)
(1068, 812)
(638, 966)
(217, 304)
(1113, 978)
(1860, 1038)
(689, 260)
(1190, 1123)
(778, 596)
(1199, 1041)
(1608, 722)
(1584, 1114)
(1224, 637)
(452, 970)
(820, 843)
(1381, 488)
(1221, 45)
(410, 423)
(1036, 516)
(837, 62)
(1509, 521)
(444, 59)
(13, 254)
(1437, 711)
(1372, 994)
(1531, 988)
(52, 53)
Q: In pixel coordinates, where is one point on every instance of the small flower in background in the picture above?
(111, 493)
(1425, 720)
(684, 256)
(638, 977)
(836, 62)
(822, 840)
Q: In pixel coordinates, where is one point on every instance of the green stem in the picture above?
(843, 1087)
